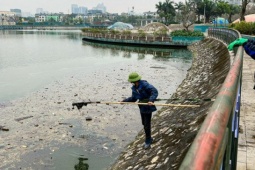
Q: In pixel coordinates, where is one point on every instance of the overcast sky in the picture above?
(112, 6)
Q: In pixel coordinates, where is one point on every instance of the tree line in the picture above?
(190, 11)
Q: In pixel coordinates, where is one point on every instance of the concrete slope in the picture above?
(174, 128)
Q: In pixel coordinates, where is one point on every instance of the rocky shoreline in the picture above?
(174, 129)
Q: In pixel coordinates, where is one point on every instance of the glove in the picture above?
(239, 41)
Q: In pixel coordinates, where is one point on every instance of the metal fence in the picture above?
(135, 38)
(216, 144)
(225, 35)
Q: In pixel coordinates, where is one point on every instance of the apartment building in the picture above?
(49, 17)
(7, 18)
(40, 17)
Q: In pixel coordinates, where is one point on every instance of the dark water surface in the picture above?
(35, 65)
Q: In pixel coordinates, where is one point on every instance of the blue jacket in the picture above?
(249, 48)
(144, 93)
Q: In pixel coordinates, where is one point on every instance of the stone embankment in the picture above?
(174, 129)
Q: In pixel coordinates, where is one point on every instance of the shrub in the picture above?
(141, 33)
(94, 30)
(185, 33)
(232, 25)
(160, 32)
(126, 32)
(85, 29)
(244, 27)
(114, 32)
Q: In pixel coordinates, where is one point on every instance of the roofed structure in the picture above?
(155, 26)
(121, 26)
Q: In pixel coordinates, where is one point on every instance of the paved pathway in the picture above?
(246, 148)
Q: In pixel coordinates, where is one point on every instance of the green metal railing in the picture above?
(216, 144)
(226, 35)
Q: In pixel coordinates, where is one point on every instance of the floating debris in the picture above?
(23, 118)
(88, 118)
(158, 67)
(4, 128)
(62, 123)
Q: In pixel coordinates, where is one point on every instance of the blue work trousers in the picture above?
(146, 121)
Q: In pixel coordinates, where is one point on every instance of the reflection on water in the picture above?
(31, 59)
(70, 34)
(78, 159)
(157, 53)
(81, 165)
(43, 32)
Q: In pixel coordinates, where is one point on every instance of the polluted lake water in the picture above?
(93, 156)
(39, 86)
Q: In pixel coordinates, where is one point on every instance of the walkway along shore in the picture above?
(174, 129)
(246, 140)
